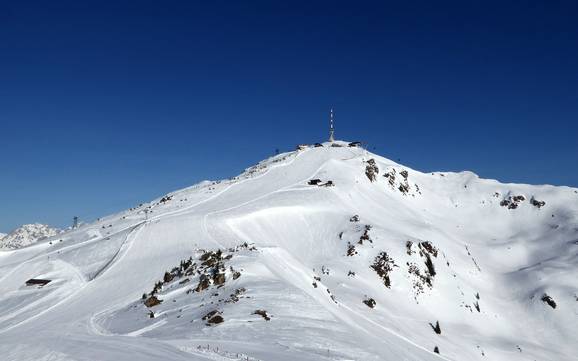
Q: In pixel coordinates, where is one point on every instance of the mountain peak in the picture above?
(26, 235)
(326, 245)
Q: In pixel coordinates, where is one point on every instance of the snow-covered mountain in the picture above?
(325, 253)
(26, 235)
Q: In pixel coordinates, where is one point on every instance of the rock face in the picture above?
(26, 235)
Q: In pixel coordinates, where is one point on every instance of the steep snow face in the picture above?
(26, 235)
(326, 253)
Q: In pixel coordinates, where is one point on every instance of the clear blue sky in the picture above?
(107, 104)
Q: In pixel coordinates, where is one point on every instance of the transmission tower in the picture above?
(331, 129)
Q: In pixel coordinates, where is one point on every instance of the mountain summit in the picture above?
(328, 252)
(26, 235)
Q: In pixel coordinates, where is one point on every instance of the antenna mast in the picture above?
(331, 129)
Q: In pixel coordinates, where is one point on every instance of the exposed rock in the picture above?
(408, 249)
(512, 202)
(263, 314)
(391, 177)
(429, 248)
(365, 235)
(371, 170)
(351, 251)
(168, 277)
(235, 296)
(219, 279)
(213, 318)
(549, 300)
(370, 302)
(383, 266)
(403, 188)
(152, 301)
(204, 283)
(437, 329)
(537, 203)
(430, 266)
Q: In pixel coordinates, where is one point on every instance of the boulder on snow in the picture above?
(219, 279)
(263, 314)
(213, 318)
(204, 283)
(548, 300)
(152, 301)
(536, 203)
(369, 302)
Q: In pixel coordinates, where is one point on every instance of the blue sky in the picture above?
(104, 105)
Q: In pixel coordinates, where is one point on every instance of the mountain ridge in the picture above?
(26, 235)
(327, 252)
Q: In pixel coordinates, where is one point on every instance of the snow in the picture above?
(285, 250)
(26, 235)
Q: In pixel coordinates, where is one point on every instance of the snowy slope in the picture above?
(268, 267)
(26, 235)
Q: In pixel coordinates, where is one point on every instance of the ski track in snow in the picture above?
(279, 259)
